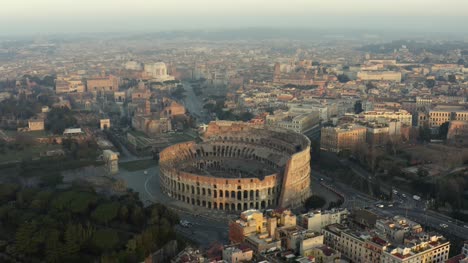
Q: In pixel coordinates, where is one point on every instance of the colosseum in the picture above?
(238, 166)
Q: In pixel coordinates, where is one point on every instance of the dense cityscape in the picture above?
(234, 145)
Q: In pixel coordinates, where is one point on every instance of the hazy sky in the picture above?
(51, 16)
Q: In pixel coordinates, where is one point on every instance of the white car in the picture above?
(443, 225)
(380, 206)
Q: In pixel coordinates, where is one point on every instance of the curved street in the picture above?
(209, 227)
(414, 210)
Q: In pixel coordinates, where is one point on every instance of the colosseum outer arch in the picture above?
(238, 166)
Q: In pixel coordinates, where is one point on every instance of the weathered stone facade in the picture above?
(239, 166)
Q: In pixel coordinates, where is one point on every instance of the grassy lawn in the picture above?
(137, 133)
(180, 137)
(32, 152)
(38, 134)
(32, 134)
(138, 165)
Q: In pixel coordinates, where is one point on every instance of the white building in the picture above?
(111, 160)
(316, 220)
(296, 122)
(157, 71)
(234, 254)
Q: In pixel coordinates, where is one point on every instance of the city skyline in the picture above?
(50, 16)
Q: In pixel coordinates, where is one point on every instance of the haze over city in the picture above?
(51, 16)
(234, 131)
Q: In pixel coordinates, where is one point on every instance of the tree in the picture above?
(123, 213)
(178, 93)
(105, 239)
(8, 192)
(461, 62)
(314, 202)
(51, 180)
(452, 78)
(246, 116)
(314, 150)
(358, 107)
(72, 239)
(54, 247)
(422, 172)
(443, 130)
(424, 134)
(430, 83)
(137, 216)
(23, 140)
(26, 241)
(76, 236)
(58, 119)
(426, 60)
(343, 78)
(106, 212)
(369, 86)
(394, 170)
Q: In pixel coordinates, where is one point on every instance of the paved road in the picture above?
(414, 210)
(205, 231)
(194, 104)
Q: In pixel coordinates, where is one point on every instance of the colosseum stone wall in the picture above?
(238, 166)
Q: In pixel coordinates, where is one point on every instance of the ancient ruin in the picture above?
(238, 166)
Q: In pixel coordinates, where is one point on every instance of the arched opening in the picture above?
(233, 207)
(246, 194)
(246, 206)
(220, 206)
(251, 194)
(215, 205)
(239, 207)
(198, 202)
(239, 195)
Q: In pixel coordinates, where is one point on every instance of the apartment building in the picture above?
(386, 116)
(344, 137)
(396, 240)
(316, 220)
(442, 114)
(421, 249)
(101, 85)
(296, 122)
(379, 76)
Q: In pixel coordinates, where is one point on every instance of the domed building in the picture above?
(157, 71)
(239, 166)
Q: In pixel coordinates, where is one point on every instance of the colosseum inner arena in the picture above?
(238, 166)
